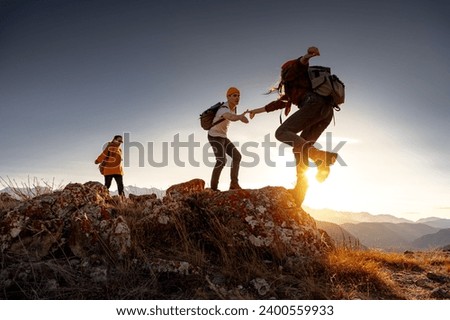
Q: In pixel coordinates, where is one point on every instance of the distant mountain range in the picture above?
(435, 240)
(436, 222)
(385, 232)
(340, 236)
(387, 235)
(341, 217)
(138, 191)
(128, 190)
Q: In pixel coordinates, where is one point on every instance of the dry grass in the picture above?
(201, 239)
(373, 274)
(340, 274)
(29, 189)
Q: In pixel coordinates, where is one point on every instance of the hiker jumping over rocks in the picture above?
(312, 118)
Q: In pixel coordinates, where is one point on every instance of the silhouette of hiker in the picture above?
(110, 161)
(222, 146)
(314, 115)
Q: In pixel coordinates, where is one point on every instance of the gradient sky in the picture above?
(75, 73)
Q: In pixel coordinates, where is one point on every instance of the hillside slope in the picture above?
(340, 236)
(388, 236)
(440, 239)
(81, 243)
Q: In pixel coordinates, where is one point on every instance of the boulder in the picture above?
(266, 218)
(186, 188)
(192, 238)
(77, 218)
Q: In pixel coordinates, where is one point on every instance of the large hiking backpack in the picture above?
(327, 84)
(207, 116)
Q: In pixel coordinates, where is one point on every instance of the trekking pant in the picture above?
(313, 117)
(223, 147)
(119, 181)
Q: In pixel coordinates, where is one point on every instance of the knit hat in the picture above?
(232, 90)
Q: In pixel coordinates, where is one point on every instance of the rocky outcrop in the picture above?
(186, 188)
(193, 243)
(192, 232)
(77, 219)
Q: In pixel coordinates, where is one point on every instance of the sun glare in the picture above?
(318, 194)
(328, 194)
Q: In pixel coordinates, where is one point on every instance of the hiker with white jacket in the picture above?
(222, 146)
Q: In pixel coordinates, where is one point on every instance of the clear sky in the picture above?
(75, 73)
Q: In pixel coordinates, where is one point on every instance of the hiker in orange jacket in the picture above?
(110, 161)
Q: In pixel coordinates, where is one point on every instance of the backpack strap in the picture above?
(217, 122)
(220, 120)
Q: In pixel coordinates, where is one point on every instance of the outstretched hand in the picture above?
(254, 112)
(243, 117)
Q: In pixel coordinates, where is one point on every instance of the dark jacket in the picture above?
(295, 83)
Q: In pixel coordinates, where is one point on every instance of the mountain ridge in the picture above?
(341, 217)
(387, 235)
(440, 239)
(435, 222)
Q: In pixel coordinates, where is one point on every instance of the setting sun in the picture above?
(319, 195)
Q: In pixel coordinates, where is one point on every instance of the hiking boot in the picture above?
(235, 186)
(321, 157)
(323, 160)
(322, 173)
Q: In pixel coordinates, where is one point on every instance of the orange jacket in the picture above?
(113, 161)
